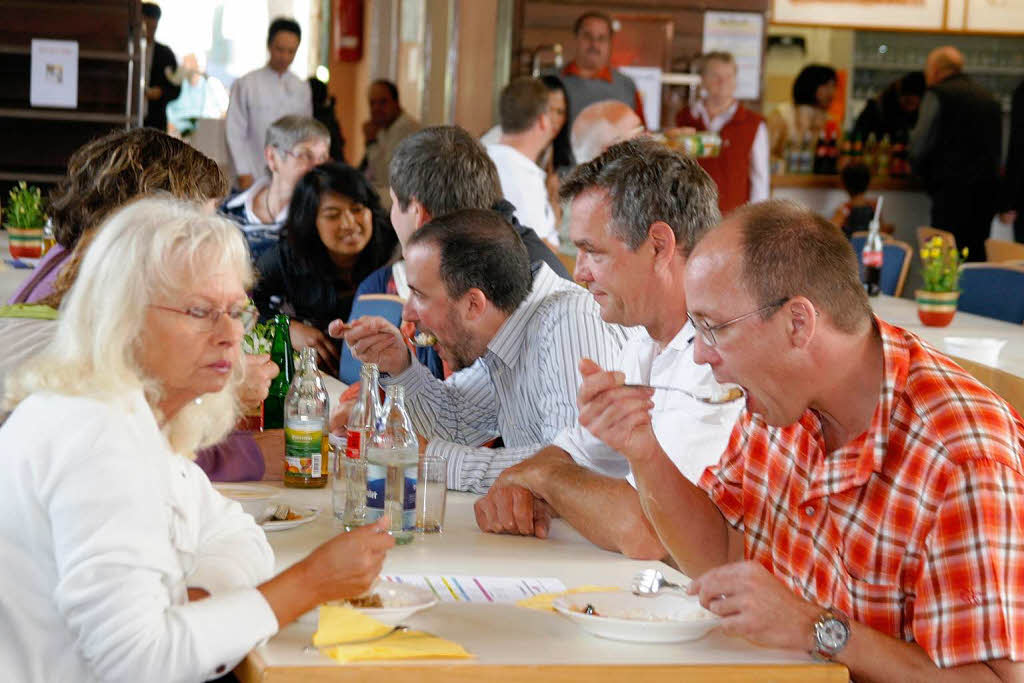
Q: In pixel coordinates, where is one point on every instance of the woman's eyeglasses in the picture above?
(206, 318)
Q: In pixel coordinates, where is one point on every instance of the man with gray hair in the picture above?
(637, 212)
(526, 130)
(294, 145)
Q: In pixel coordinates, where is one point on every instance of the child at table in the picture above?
(856, 213)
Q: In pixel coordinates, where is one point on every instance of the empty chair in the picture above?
(895, 262)
(387, 306)
(925, 233)
(1000, 251)
(996, 291)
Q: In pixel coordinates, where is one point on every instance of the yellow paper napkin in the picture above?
(545, 601)
(344, 623)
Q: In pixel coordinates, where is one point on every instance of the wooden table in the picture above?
(512, 643)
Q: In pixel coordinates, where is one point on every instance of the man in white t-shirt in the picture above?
(637, 211)
(526, 130)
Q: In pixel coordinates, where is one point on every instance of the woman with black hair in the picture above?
(336, 234)
(894, 111)
(813, 91)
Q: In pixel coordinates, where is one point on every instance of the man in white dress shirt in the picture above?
(637, 211)
(526, 130)
(514, 335)
(387, 127)
(263, 96)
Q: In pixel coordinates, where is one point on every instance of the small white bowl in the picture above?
(400, 601)
(668, 617)
(254, 498)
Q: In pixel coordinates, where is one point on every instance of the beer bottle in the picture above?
(305, 426)
(281, 354)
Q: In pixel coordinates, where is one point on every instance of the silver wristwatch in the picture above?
(831, 633)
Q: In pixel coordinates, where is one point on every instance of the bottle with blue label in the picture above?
(392, 456)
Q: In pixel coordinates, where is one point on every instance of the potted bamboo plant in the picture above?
(936, 302)
(24, 221)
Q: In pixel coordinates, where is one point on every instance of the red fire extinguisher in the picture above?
(348, 30)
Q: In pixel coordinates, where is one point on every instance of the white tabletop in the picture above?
(903, 313)
(503, 635)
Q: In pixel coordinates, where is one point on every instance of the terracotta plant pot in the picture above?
(936, 309)
(25, 242)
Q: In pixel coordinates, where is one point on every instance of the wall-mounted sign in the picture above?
(54, 74)
(917, 15)
(740, 34)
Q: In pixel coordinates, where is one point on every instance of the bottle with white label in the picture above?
(305, 426)
(392, 456)
(360, 426)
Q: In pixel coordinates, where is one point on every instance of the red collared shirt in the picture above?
(915, 528)
(605, 74)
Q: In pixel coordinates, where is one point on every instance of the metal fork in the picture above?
(730, 395)
(309, 649)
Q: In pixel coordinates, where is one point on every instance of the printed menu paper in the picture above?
(54, 71)
(480, 588)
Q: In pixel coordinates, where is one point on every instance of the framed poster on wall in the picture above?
(918, 15)
(742, 35)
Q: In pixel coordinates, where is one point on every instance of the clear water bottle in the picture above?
(305, 426)
(360, 427)
(871, 254)
(392, 457)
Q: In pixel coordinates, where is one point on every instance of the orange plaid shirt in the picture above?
(915, 528)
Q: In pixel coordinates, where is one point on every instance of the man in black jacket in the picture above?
(1013, 184)
(956, 148)
(160, 60)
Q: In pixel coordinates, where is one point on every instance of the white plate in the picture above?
(254, 498)
(668, 617)
(308, 515)
(400, 601)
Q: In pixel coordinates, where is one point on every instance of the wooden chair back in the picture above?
(925, 233)
(1000, 251)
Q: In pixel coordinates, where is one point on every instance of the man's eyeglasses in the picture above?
(307, 157)
(206, 318)
(707, 332)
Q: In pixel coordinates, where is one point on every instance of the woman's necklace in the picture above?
(266, 205)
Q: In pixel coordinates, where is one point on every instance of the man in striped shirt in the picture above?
(514, 334)
(637, 211)
(869, 508)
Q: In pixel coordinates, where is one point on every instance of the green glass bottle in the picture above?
(281, 354)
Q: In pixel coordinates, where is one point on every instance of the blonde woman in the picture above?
(121, 560)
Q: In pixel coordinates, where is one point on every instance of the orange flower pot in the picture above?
(936, 309)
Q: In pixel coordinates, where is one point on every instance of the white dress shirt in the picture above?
(523, 183)
(380, 151)
(692, 433)
(760, 151)
(102, 529)
(523, 388)
(257, 100)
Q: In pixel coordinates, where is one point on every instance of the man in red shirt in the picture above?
(589, 78)
(869, 508)
(741, 168)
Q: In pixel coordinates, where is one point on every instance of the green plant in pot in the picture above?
(24, 220)
(936, 301)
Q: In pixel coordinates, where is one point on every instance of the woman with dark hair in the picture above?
(894, 111)
(813, 92)
(558, 155)
(336, 234)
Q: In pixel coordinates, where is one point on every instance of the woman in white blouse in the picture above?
(121, 562)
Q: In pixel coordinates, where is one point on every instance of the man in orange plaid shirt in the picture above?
(869, 508)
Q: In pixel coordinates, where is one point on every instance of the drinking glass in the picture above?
(431, 493)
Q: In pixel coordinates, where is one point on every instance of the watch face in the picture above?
(832, 634)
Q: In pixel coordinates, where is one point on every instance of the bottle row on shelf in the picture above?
(831, 152)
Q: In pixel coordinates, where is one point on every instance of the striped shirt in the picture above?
(915, 528)
(523, 389)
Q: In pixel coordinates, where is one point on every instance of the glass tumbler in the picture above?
(431, 493)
